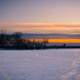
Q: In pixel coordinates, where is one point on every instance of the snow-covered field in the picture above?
(53, 64)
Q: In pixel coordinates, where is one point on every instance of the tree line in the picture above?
(14, 41)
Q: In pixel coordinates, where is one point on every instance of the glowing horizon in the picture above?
(43, 28)
(64, 41)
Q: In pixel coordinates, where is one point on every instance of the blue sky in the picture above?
(51, 11)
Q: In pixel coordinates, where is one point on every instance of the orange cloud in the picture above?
(64, 40)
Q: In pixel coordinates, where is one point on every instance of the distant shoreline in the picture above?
(41, 48)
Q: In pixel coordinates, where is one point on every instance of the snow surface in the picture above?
(53, 64)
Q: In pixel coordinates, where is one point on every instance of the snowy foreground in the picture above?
(56, 64)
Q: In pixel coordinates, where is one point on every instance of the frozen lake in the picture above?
(53, 64)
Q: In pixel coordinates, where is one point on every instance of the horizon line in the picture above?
(39, 23)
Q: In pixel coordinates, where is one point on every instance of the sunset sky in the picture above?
(40, 16)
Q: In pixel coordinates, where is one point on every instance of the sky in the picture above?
(24, 12)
